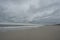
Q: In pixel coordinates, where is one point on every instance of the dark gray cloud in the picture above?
(35, 11)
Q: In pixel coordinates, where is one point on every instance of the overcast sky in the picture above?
(35, 11)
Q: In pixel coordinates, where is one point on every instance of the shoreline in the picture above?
(51, 32)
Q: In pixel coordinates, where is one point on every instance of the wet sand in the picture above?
(41, 33)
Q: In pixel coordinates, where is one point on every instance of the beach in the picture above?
(48, 32)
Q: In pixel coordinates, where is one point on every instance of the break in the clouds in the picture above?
(32, 11)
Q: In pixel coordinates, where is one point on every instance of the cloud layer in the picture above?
(32, 11)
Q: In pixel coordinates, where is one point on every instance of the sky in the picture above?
(30, 11)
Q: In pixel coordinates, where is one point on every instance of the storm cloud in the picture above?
(30, 11)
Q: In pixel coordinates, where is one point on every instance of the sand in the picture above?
(41, 33)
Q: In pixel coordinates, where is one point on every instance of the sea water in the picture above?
(18, 26)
